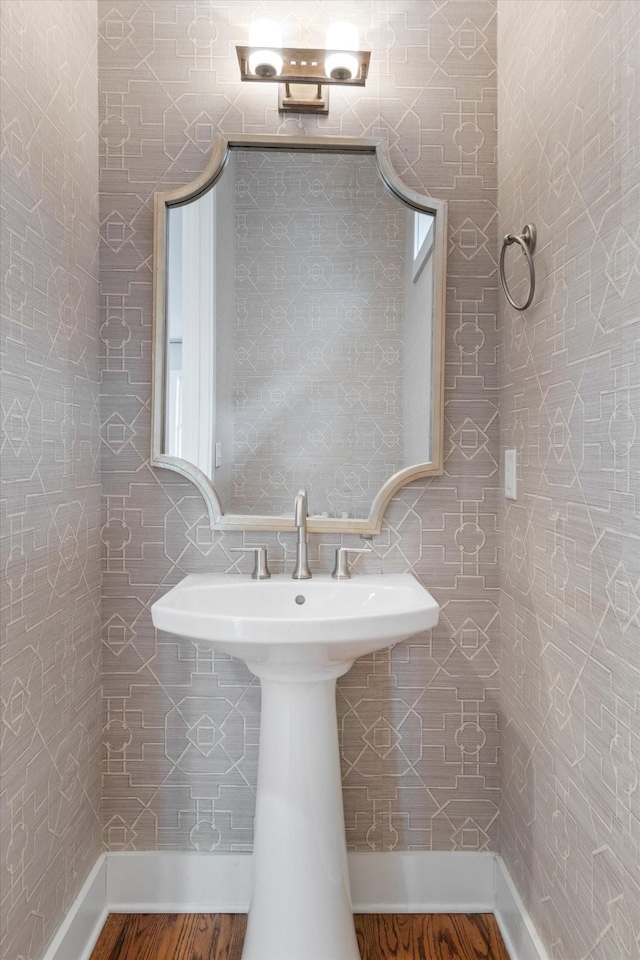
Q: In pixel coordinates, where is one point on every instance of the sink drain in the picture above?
(300, 598)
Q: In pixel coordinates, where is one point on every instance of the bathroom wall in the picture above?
(50, 511)
(569, 160)
(419, 724)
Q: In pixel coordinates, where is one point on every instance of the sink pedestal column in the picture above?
(300, 903)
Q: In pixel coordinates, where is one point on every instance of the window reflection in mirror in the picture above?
(300, 326)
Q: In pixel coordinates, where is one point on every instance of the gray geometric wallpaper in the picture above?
(318, 332)
(419, 724)
(50, 512)
(561, 566)
(569, 160)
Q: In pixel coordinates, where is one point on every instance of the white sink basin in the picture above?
(260, 621)
(300, 904)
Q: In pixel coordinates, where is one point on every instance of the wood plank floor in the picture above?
(219, 936)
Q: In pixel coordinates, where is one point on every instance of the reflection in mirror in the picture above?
(299, 329)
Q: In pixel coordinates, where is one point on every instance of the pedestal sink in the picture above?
(298, 637)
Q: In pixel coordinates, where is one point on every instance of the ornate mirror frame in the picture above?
(212, 171)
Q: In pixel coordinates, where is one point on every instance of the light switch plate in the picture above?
(510, 475)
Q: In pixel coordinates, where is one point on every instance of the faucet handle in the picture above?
(260, 568)
(341, 570)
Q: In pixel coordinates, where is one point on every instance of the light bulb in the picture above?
(341, 66)
(267, 35)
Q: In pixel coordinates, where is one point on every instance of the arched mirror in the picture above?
(299, 299)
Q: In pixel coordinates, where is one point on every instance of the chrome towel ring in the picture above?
(527, 240)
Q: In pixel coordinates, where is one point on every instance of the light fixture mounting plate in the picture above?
(303, 98)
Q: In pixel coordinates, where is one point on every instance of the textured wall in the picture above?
(418, 724)
(50, 641)
(569, 159)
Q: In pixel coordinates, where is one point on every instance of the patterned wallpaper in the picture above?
(418, 724)
(50, 512)
(318, 369)
(569, 159)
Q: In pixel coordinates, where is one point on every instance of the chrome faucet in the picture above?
(301, 570)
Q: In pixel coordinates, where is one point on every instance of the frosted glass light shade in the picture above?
(341, 36)
(265, 63)
(341, 66)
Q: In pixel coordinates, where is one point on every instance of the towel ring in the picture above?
(527, 240)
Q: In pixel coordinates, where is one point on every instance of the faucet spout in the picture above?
(300, 512)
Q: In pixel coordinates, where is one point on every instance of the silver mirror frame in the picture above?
(164, 200)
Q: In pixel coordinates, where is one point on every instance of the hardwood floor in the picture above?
(425, 936)
(219, 936)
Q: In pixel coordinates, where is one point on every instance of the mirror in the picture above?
(299, 323)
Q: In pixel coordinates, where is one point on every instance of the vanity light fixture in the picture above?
(304, 75)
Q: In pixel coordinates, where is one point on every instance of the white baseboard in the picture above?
(78, 932)
(520, 936)
(400, 882)
(421, 882)
(403, 882)
(177, 882)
